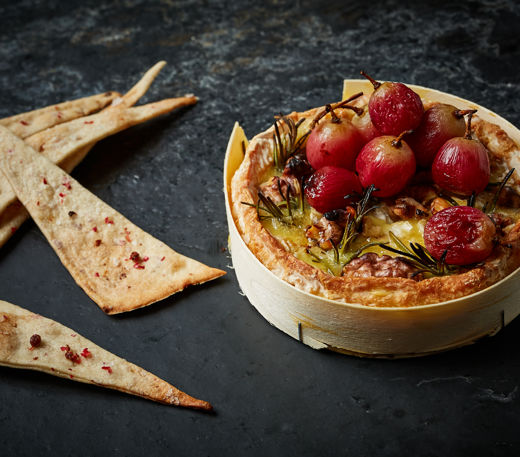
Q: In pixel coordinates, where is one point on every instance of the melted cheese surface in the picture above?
(376, 226)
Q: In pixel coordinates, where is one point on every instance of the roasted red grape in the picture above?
(365, 126)
(439, 124)
(465, 233)
(334, 141)
(394, 107)
(462, 165)
(327, 188)
(386, 162)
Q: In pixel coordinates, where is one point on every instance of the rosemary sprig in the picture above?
(491, 205)
(354, 222)
(288, 199)
(349, 258)
(315, 258)
(418, 256)
(448, 198)
(336, 251)
(471, 200)
(270, 208)
(286, 141)
(301, 197)
(285, 138)
(292, 200)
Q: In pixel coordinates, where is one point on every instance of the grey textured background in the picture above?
(246, 61)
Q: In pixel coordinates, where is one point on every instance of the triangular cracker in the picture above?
(119, 266)
(61, 142)
(63, 352)
(11, 219)
(69, 143)
(136, 92)
(32, 122)
(26, 124)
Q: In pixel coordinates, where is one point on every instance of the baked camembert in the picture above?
(383, 199)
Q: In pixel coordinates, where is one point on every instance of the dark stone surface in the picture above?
(246, 61)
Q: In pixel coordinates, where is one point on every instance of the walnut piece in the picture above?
(371, 264)
(324, 231)
(408, 208)
(273, 186)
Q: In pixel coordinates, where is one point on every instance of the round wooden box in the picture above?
(363, 330)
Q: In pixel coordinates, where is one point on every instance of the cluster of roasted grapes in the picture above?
(385, 144)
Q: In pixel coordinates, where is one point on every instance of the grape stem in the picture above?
(375, 83)
(467, 134)
(329, 108)
(396, 142)
(359, 111)
(460, 113)
(333, 115)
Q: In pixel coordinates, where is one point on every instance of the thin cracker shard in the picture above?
(31, 122)
(58, 144)
(136, 92)
(87, 363)
(129, 269)
(50, 139)
(75, 153)
(11, 219)
(67, 144)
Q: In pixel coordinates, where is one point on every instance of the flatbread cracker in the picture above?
(80, 133)
(31, 122)
(136, 92)
(67, 144)
(26, 124)
(117, 264)
(63, 352)
(68, 138)
(57, 134)
(11, 219)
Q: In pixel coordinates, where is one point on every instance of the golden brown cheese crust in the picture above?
(372, 291)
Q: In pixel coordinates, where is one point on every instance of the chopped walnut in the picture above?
(326, 232)
(297, 166)
(509, 197)
(276, 186)
(438, 204)
(408, 208)
(373, 265)
(501, 222)
(422, 193)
